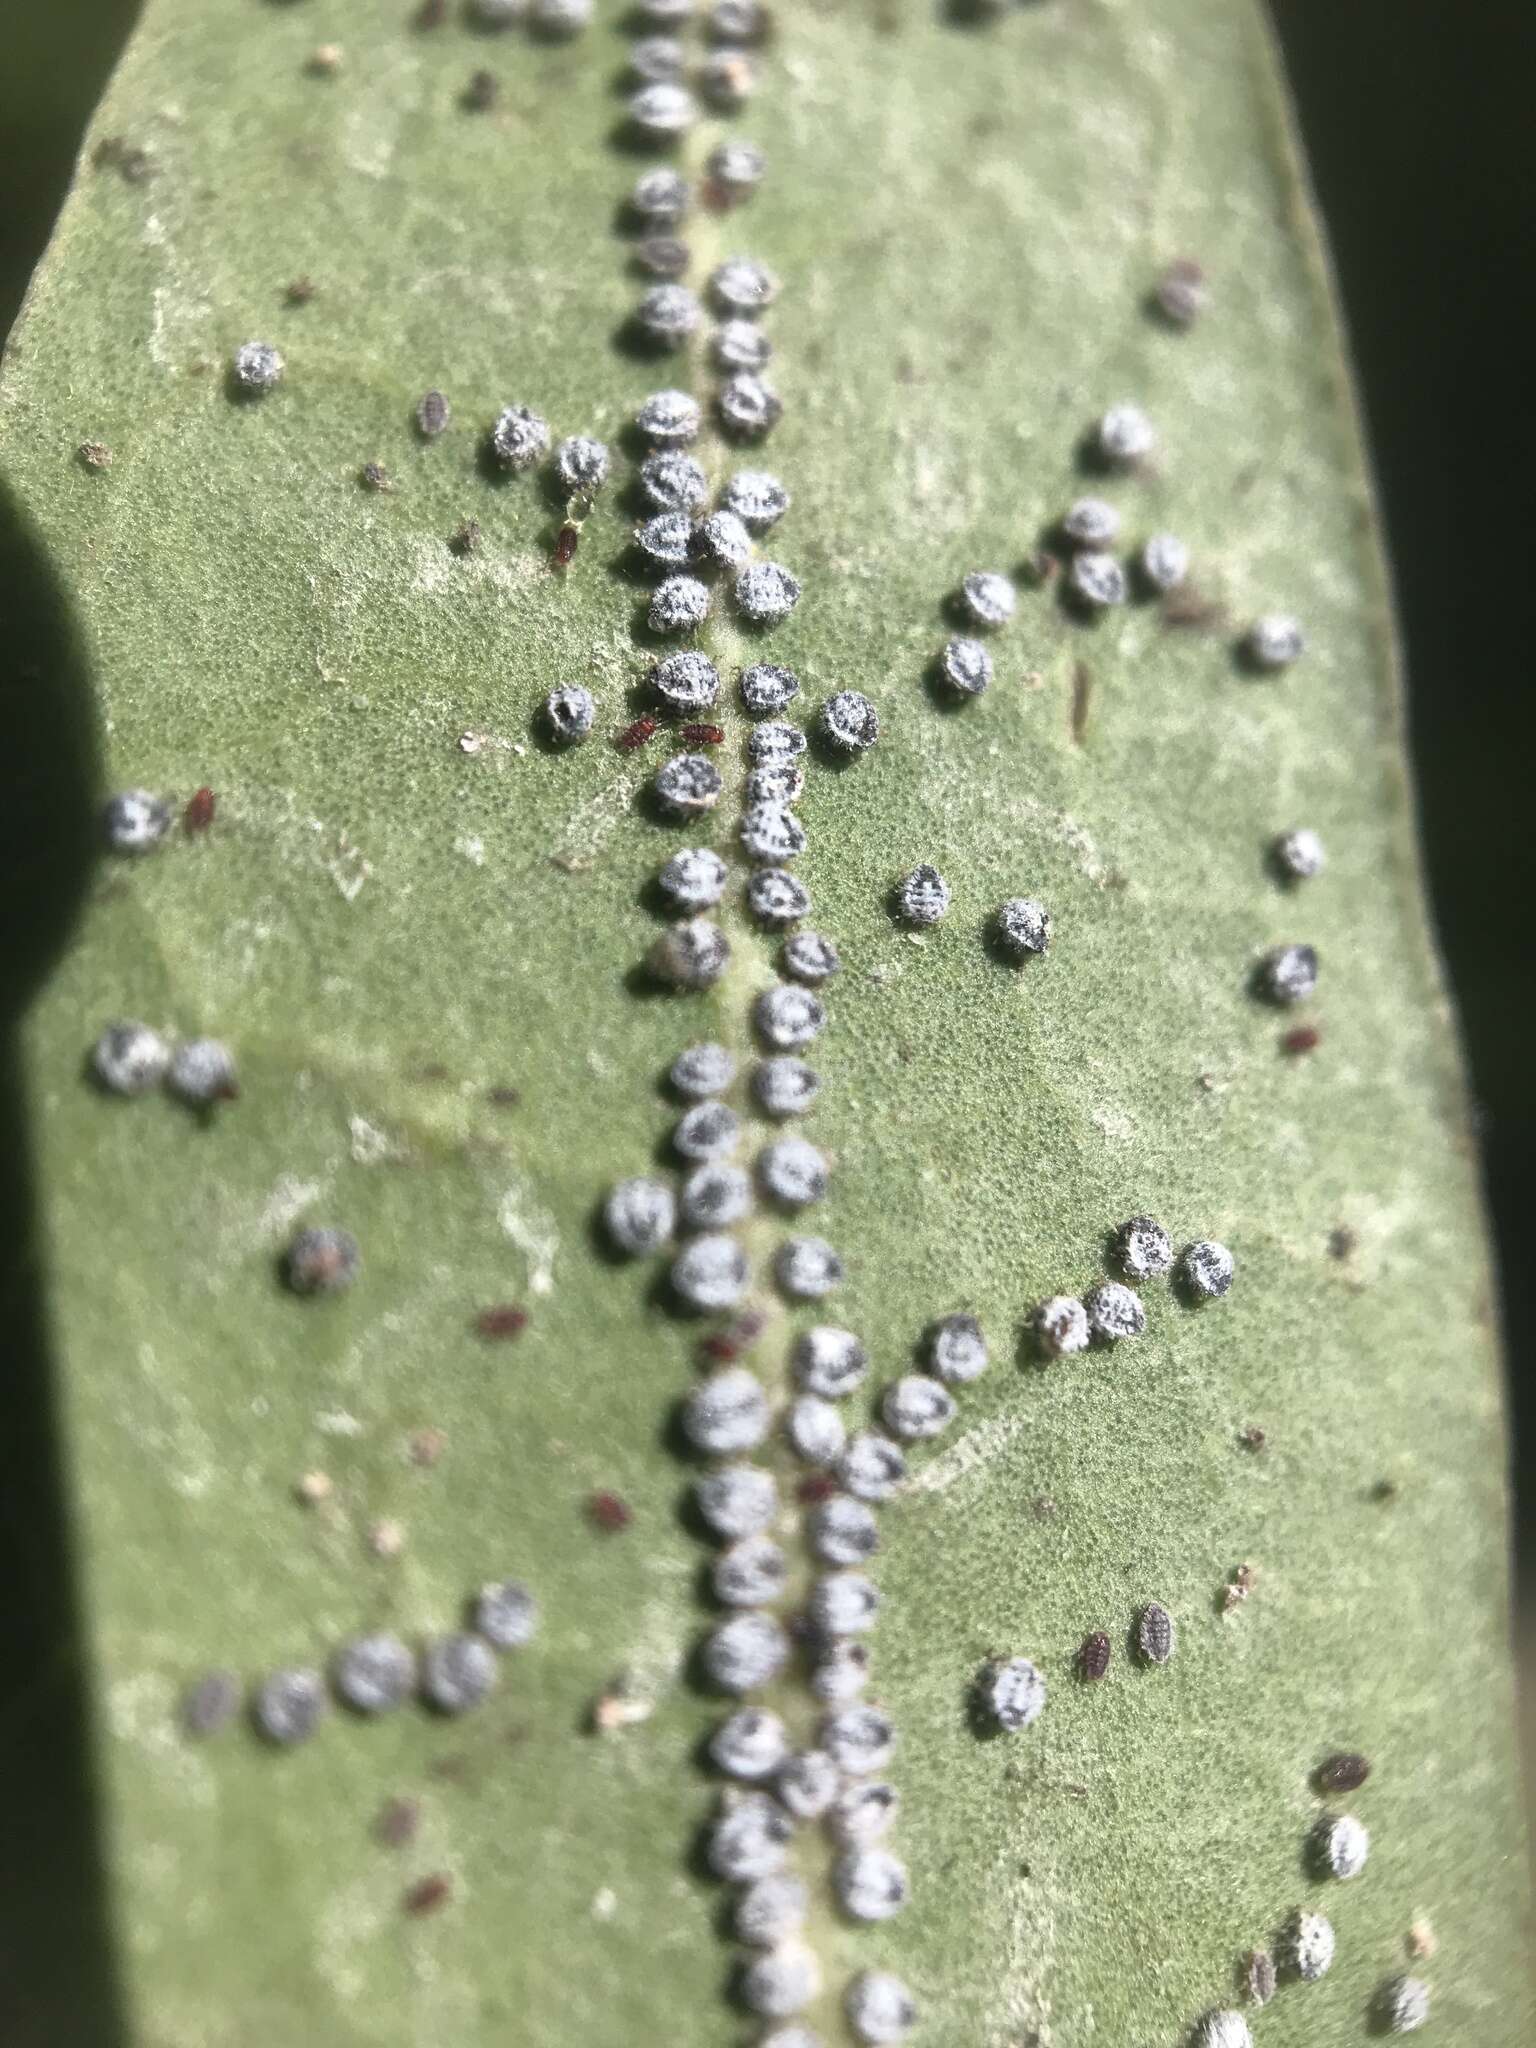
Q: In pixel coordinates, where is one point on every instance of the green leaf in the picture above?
(407, 906)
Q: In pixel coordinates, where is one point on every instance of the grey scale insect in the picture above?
(1023, 927)
(687, 785)
(322, 1260)
(673, 482)
(656, 60)
(374, 1674)
(1288, 974)
(810, 958)
(1206, 1269)
(1164, 561)
(765, 593)
(1115, 1312)
(687, 683)
(257, 367)
(1014, 1693)
(784, 1086)
(757, 498)
(1222, 2029)
(815, 1432)
(693, 879)
(457, 1673)
(736, 167)
(727, 80)
(667, 314)
(692, 955)
(1309, 1946)
(879, 2008)
(748, 406)
(711, 1273)
(965, 666)
(739, 345)
(784, 1980)
(780, 782)
(135, 821)
(750, 1838)
(745, 1653)
(702, 1070)
(714, 1197)
(916, 1407)
(669, 419)
(569, 714)
(1299, 854)
(727, 1412)
(582, 465)
(1091, 523)
(722, 541)
(850, 721)
(751, 1573)
(1156, 1637)
(506, 1614)
(130, 1059)
(1098, 579)
(678, 605)
(793, 1172)
(840, 1671)
(767, 687)
(987, 598)
(1125, 435)
(737, 1500)
(661, 197)
(663, 111)
(288, 1706)
(859, 1739)
(829, 1361)
(808, 1783)
(777, 741)
(842, 1531)
(776, 898)
(666, 540)
(955, 1350)
(1143, 1249)
(519, 438)
(771, 1910)
(922, 897)
(640, 1215)
(872, 1467)
(1274, 641)
(1061, 1326)
(202, 1070)
(807, 1269)
(1403, 2004)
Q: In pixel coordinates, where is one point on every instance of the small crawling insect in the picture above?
(636, 735)
(703, 735)
(198, 815)
(565, 545)
(507, 1320)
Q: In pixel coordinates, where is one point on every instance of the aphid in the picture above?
(608, 1511)
(1346, 1771)
(691, 955)
(729, 1411)
(840, 1672)
(922, 897)
(1309, 1946)
(810, 957)
(1224, 2029)
(1093, 1655)
(776, 743)
(916, 1407)
(710, 1274)
(807, 1268)
(555, 20)
(758, 499)
(666, 539)
(519, 437)
(955, 1350)
(660, 197)
(506, 1614)
(1299, 854)
(872, 1467)
(742, 285)
(774, 897)
(481, 92)
(288, 1706)
(771, 832)
(1404, 2004)
(693, 879)
(751, 1744)
(257, 367)
(669, 419)
(1206, 1269)
(1091, 523)
(1156, 1637)
(667, 314)
(678, 605)
(738, 345)
(870, 1884)
(965, 666)
(737, 1500)
(1114, 1312)
(850, 721)
(748, 407)
(373, 476)
(784, 1980)
(814, 1430)
(1061, 1326)
(751, 1573)
(1164, 561)
(506, 1321)
(686, 682)
(1142, 1247)
(829, 1361)
(702, 1070)
(373, 1674)
(808, 1783)
(1288, 974)
(842, 1531)
(1097, 579)
(465, 537)
(751, 1835)
(95, 454)
(209, 1704)
(1259, 1976)
(735, 167)
(765, 593)
(198, 815)
(1274, 641)
(987, 598)
(433, 414)
(860, 1740)
(879, 2008)
(1343, 1844)
(1180, 294)
(322, 1261)
(581, 464)
(569, 713)
(744, 1654)
(663, 111)
(639, 1215)
(687, 785)
(673, 482)
(457, 1672)
(130, 1059)
(788, 1017)
(781, 782)
(771, 1910)
(722, 541)
(427, 1894)
(793, 1172)
(1125, 435)
(727, 79)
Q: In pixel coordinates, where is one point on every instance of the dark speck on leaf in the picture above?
(479, 96)
(465, 537)
(430, 14)
(427, 1895)
(565, 546)
(95, 454)
(1253, 1438)
(1384, 1490)
(373, 476)
(198, 815)
(504, 1098)
(1346, 1771)
(606, 1511)
(818, 1487)
(1341, 1242)
(1304, 1038)
(300, 291)
(397, 1823)
(505, 1321)
(116, 153)
(209, 1703)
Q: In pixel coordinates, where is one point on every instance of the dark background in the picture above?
(1417, 119)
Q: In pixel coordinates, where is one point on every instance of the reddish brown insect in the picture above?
(703, 735)
(715, 197)
(504, 1321)
(1302, 1038)
(397, 1822)
(198, 815)
(1346, 1772)
(819, 1486)
(1093, 1656)
(1253, 1438)
(635, 735)
(565, 545)
(723, 1345)
(607, 1511)
(427, 1894)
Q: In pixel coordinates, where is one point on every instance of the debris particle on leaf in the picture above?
(481, 92)
(95, 454)
(465, 537)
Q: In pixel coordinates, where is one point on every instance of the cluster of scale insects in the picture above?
(692, 548)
